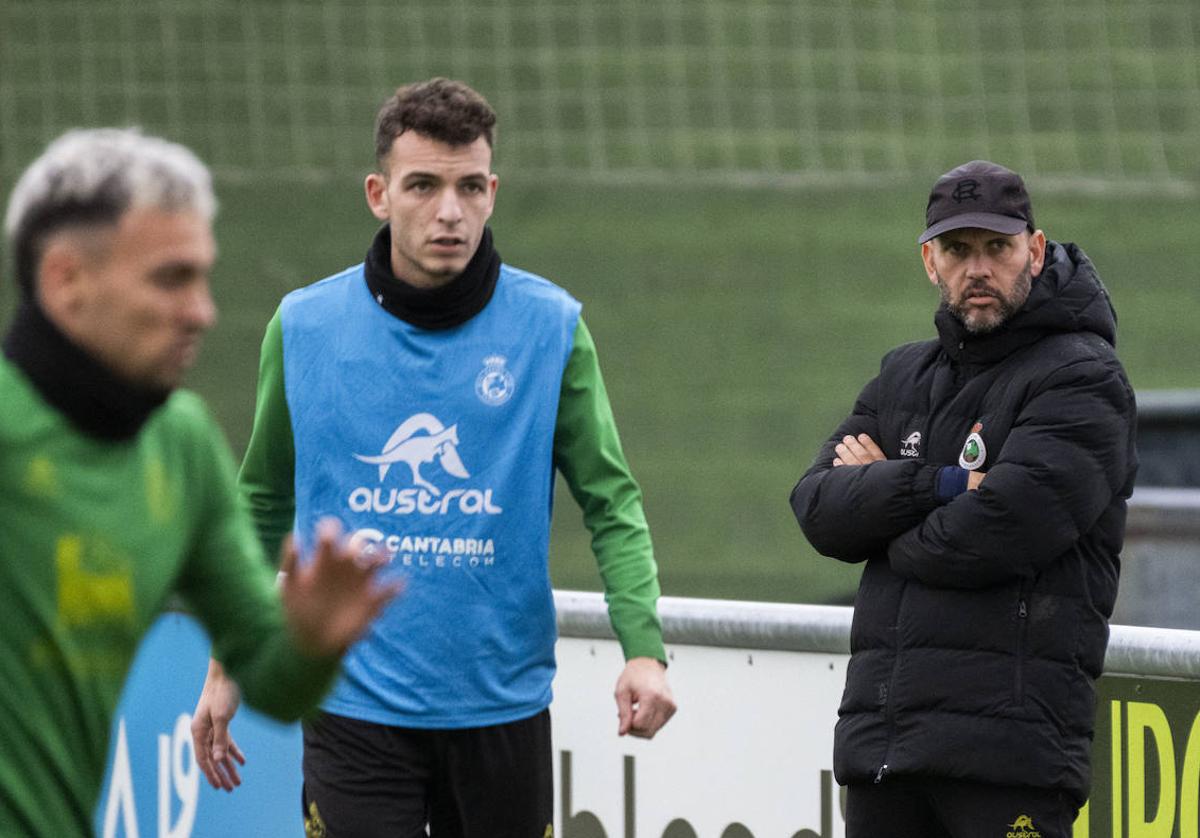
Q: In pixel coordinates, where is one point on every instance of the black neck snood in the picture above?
(94, 399)
(444, 307)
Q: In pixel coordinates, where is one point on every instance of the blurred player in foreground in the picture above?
(426, 397)
(982, 477)
(119, 490)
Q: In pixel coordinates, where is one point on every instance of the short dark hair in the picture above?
(441, 109)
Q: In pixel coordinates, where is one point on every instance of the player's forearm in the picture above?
(231, 589)
(852, 512)
(276, 677)
(633, 612)
(625, 556)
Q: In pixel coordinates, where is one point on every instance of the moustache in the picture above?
(980, 291)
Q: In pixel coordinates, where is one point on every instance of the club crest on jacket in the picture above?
(974, 452)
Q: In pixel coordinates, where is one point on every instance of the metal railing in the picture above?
(1132, 650)
(1164, 514)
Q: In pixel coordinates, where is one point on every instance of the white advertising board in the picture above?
(748, 755)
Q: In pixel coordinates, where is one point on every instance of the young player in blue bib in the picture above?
(425, 398)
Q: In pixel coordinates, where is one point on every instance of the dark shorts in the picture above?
(921, 807)
(364, 780)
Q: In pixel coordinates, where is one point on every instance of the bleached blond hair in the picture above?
(91, 178)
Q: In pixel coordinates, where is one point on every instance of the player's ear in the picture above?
(927, 260)
(492, 185)
(60, 276)
(375, 187)
(1037, 252)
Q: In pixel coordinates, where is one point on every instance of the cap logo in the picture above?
(966, 190)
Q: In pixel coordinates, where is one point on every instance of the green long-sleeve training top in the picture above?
(95, 537)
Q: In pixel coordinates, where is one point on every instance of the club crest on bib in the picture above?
(974, 452)
(494, 384)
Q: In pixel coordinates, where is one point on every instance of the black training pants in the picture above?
(364, 780)
(932, 807)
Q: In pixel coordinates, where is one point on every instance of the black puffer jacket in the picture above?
(980, 623)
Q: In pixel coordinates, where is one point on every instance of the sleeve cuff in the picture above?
(950, 483)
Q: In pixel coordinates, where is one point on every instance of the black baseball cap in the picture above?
(978, 194)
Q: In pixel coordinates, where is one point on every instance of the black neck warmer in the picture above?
(443, 307)
(94, 399)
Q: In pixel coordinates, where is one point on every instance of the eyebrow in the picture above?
(179, 267)
(420, 175)
(947, 241)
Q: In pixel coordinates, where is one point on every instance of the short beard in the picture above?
(981, 322)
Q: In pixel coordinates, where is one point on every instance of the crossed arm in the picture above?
(860, 450)
(852, 502)
(1066, 457)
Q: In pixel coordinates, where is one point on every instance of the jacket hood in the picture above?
(1067, 296)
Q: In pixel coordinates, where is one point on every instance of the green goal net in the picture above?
(1082, 94)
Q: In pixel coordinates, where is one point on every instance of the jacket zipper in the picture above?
(1022, 624)
(888, 697)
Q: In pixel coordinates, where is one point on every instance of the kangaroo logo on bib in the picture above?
(494, 384)
(417, 441)
(974, 452)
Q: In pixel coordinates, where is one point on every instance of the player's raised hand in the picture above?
(331, 600)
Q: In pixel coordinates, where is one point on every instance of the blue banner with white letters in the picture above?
(154, 789)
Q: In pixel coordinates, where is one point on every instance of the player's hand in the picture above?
(216, 753)
(857, 451)
(974, 478)
(332, 599)
(644, 700)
